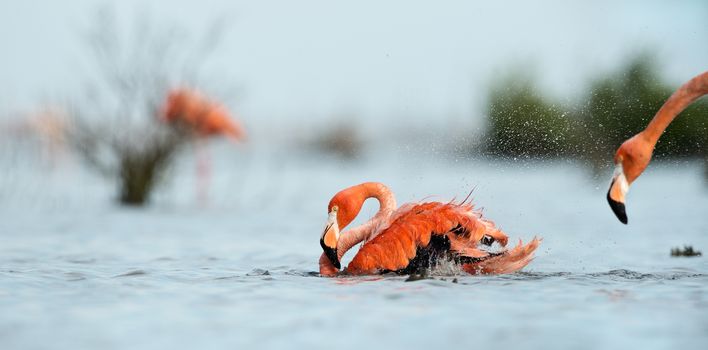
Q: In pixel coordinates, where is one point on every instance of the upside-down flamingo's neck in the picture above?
(634, 155)
(679, 100)
(349, 201)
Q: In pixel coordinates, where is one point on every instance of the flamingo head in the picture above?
(330, 238)
(342, 209)
(631, 158)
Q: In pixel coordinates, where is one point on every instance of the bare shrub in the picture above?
(137, 166)
(116, 127)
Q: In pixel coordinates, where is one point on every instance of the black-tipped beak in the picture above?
(331, 254)
(617, 207)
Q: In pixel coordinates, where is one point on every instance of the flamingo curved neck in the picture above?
(679, 100)
(387, 204)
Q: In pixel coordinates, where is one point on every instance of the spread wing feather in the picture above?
(412, 227)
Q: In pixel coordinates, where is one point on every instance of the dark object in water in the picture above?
(258, 272)
(423, 275)
(686, 251)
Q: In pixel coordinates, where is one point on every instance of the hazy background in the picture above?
(392, 63)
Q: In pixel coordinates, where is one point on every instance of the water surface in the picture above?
(78, 272)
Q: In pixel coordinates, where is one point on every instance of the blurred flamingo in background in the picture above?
(189, 110)
(414, 237)
(202, 116)
(633, 155)
(48, 127)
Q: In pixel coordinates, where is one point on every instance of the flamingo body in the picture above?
(202, 116)
(418, 236)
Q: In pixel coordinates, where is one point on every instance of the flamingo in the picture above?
(200, 115)
(414, 237)
(48, 127)
(633, 156)
(190, 110)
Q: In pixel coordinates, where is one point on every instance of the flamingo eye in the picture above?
(487, 240)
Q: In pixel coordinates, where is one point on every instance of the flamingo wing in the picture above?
(425, 233)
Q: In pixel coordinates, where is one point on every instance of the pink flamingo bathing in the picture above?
(414, 237)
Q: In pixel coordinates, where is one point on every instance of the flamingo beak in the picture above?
(330, 238)
(616, 193)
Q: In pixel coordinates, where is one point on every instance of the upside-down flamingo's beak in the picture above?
(616, 193)
(330, 238)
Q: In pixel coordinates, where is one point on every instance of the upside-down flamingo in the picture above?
(633, 156)
(414, 237)
(188, 109)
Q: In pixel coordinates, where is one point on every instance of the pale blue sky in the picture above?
(382, 60)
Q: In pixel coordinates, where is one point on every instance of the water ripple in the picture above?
(132, 273)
